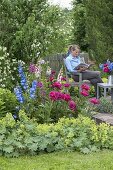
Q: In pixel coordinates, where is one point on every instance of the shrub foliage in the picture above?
(93, 25)
(28, 137)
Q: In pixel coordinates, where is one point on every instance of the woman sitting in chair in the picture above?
(73, 60)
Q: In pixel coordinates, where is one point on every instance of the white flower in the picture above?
(3, 85)
(38, 44)
(13, 60)
(1, 58)
(60, 75)
(41, 61)
(37, 74)
(13, 78)
(37, 54)
(39, 68)
(48, 72)
(4, 49)
(8, 67)
(14, 68)
(21, 62)
(33, 46)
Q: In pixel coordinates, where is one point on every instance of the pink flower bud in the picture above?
(85, 87)
(84, 93)
(66, 85)
(66, 97)
(106, 70)
(57, 85)
(94, 101)
(72, 105)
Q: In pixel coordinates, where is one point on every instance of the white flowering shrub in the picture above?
(7, 69)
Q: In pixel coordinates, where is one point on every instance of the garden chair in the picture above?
(71, 81)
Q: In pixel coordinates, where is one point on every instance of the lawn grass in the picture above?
(60, 161)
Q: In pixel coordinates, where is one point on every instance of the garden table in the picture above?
(105, 86)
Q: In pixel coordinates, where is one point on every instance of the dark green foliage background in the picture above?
(31, 27)
(93, 27)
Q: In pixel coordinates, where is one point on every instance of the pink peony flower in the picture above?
(66, 97)
(60, 96)
(84, 93)
(55, 95)
(94, 101)
(66, 85)
(57, 85)
(72, 105)
(106, 70)
(85, 87)
(63, 79)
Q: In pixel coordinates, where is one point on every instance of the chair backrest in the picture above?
(69, 75)
(84, 57)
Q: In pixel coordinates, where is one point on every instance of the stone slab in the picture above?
(103, 117)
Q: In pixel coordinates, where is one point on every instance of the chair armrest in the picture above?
(78, 74)
(69, 74)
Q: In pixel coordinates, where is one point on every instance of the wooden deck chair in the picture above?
(72, 82)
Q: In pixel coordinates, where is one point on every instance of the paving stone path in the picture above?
(103, 117)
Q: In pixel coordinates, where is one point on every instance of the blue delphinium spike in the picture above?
(33, 89)
(23, 80)
(19, 95)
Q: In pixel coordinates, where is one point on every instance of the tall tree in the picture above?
(99, 28)
(32, 27)
(79, 24)
(93, 28)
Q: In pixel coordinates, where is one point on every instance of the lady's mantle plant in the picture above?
(28, 137)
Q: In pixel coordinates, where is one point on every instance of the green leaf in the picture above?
(94, 148)
(85, 150)
(8, 149)
(33, 147)
(50, 148)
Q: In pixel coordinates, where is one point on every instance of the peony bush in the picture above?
(42, 95)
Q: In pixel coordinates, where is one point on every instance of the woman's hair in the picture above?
(69, 48)
(73, 47)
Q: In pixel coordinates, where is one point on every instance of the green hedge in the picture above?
(28, 137)
(8, 102)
